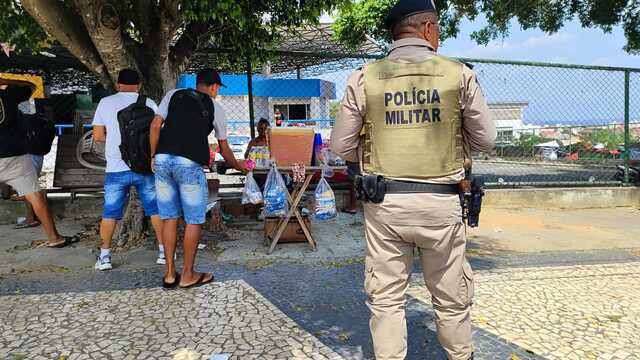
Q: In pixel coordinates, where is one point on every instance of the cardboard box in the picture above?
(292, 233)
(291, 146)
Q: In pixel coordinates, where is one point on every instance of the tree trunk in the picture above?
(92, 30)
(131, 230)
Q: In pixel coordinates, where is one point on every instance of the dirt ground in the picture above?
(501, 230)
(535, 230)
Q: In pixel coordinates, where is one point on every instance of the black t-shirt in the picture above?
(187, 126)
(10, 138)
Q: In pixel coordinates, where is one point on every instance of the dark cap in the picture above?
(209, 77)
(128, 77)
(405, 8)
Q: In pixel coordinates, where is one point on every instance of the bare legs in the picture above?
(192, 235)
(39, 204)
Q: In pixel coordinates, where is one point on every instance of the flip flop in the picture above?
(201, 281)
(66, 240)
(172, 285)
(27, 225)
(349, 211)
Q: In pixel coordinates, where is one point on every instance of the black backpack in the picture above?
(135, 124)
(38, 132)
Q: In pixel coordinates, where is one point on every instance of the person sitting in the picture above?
(258, 149)
(16, 166)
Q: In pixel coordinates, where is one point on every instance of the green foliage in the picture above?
(366, 18)
(612, 139)
(251, 25)
(528, 141)
(19, 29)
(242, 26)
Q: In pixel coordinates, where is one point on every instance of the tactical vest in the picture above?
(413, 125)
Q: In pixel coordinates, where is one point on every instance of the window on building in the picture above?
(504, 136)
(294, 112)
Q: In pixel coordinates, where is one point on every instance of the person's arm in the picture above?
(478, 126)
(249, 146)
(20, 90)
(345, 136)
(156, 125)
(99, 129)
(228, 156)
(220, 128)
(99, 133)
(154, 135)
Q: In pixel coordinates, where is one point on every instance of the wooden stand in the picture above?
(294, 200)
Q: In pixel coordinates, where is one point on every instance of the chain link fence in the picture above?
(558, 125)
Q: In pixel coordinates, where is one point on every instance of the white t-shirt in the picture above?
(107, 115)
(220, 117)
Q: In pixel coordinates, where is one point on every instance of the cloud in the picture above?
(545, 41)
(492, 49)
(504, 49)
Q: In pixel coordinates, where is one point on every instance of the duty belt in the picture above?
(405, 187)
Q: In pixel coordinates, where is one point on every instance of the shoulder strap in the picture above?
(142, 100)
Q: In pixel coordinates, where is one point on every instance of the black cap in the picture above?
(209, 77)
(128, 77)
(405, 8)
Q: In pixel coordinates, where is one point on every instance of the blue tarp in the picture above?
(291, 88)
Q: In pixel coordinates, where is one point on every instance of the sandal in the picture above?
(171, 285)
(350, 211)
(64, 241)
(201, 281)
(26, 225)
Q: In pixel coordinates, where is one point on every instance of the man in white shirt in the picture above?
(119, 177)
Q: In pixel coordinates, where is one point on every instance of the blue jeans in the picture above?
(182, 189)
(116, 193)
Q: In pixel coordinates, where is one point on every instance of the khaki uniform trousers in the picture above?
(433, 224)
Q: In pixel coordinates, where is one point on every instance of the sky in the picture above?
(555, 96)
(572, 44)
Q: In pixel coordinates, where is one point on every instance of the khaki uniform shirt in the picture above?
(478, 127)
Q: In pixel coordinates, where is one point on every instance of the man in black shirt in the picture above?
(180, 148)
(16, 167)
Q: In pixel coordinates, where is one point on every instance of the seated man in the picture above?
(16, 166)
(119, 177)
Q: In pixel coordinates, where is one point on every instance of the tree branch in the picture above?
(188, 43)
(103, 23)
(58, 21)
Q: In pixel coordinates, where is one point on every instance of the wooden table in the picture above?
(294, 199)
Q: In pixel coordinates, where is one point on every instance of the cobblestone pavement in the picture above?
(229, 317)
(571, 312)
(316, 308)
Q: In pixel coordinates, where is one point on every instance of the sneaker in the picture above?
(104, 263)
(161, 259)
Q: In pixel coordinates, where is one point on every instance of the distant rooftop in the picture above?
(237, 85)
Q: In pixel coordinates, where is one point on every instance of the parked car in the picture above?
(238, 144)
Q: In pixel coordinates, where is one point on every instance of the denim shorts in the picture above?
(182, 189)
(116, 193)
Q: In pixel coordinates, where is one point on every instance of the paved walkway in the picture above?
(317, 311)
(564, 313)
(225, 318)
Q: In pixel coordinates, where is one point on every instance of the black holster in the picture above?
(370, 188)
(475, 201)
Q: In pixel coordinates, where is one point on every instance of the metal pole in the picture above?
(298, 73)
(627, 131)
(250, 92)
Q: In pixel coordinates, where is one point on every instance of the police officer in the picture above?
(411, 119)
